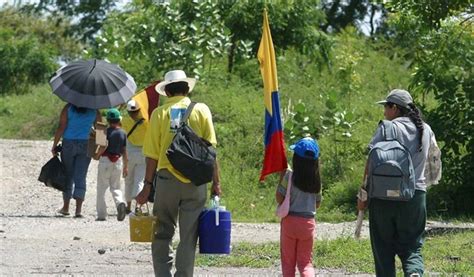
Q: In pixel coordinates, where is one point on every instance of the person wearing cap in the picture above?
(74, 126)
(135, 126)
(112, 165)
(396, 227)
(298, 227)
(175, 196)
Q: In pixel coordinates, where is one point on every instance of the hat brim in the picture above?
(160, 87)
(383, 102)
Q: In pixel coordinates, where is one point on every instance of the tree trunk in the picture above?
(372, 15)
(231, 55)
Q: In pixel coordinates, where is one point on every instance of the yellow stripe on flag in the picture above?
(142, 100)
(268, 69)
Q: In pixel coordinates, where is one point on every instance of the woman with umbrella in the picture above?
(86, 86)
(74, 127)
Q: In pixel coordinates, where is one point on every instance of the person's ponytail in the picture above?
(415, 116)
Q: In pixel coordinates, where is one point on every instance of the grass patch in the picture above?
(244, 255)
(30, 116)
(450, 254)
(446, 254)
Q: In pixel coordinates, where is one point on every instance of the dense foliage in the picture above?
(442, 48)
(86, 16)
(30, 48)
(193, 34)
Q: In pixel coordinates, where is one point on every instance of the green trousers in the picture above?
(397, 228)
(176, 202)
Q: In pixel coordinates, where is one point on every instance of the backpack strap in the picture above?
(187, 113)
(388, 130)
(135, 126)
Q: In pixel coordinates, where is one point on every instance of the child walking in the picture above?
(298, 227)
(112, 165)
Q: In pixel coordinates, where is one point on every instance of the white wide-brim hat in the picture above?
(174, 76)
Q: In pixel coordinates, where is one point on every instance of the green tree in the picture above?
(30, 47)
(151, 38)
(342, 14)
(192, 34)
(439, 37)
(293, 24)
(87, 15)
(446, 72)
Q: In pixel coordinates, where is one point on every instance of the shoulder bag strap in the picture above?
(188, 112)
(388, 130)
(135, 126)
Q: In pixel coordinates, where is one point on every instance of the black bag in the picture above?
(53, 174)
(191, 155)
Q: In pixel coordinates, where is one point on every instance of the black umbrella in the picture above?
(94, 84)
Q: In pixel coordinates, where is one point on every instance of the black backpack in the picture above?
(191, 155)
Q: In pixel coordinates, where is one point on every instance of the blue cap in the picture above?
(306, 148)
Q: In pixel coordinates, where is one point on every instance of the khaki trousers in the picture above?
(136, 173)
(175, 201)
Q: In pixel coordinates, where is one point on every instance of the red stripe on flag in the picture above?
(275, 156)
(153, 97)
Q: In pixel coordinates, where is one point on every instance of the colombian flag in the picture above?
(275, 157)
(148, 99)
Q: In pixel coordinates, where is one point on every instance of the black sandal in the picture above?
(63, 213)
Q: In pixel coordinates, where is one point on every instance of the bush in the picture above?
(30, 48)
(445, 73)
(24, 64)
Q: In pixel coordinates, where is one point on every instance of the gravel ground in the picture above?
(35, 240)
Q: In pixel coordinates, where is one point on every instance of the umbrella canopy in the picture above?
(93, 84)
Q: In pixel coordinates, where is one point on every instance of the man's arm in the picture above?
(216, 184)
(150, 170)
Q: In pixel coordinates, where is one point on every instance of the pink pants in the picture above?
(296, 245)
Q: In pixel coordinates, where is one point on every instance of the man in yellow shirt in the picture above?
(135, 126)
(175, 195)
